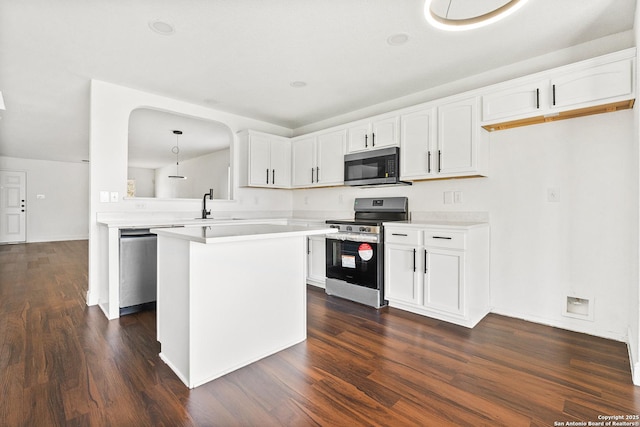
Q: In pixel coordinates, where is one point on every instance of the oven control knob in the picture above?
(348, 228)
(334, 226)
(366, 229)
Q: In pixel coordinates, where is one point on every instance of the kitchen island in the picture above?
(229, 295)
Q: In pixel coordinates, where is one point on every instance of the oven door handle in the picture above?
(354, 237)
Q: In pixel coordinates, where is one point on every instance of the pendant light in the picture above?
(480, 18)
(176, 150)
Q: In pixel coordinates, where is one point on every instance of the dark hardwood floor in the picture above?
(64, 364)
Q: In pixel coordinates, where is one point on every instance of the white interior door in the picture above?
(12, 207)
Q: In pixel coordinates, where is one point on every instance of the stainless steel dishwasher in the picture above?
(137, 270)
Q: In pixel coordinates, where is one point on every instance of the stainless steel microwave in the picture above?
(375, 167)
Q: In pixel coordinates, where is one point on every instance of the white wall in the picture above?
(63, 213)
(542, 251)
(111, 106)
(204, 172)
(144, 180)
(634, 185)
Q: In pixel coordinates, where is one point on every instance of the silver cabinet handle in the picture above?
(267, 176)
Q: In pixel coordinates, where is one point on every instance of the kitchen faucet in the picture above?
(206, 212)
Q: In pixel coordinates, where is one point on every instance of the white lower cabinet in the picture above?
(400, 267)
(316, 259)
(438, 271)
(443, 274)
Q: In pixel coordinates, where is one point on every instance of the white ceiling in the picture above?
(240, 56)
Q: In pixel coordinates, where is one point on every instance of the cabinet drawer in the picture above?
(402, 235)
(444, 239)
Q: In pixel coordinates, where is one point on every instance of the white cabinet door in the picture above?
(330, 158)
(358, 137)
(592, 84)
(259, 160)
(316, 260)
(377, 133)
(280, 163)
(523, 100)
(418, 149)
(401, 273)
(458, 137)
(304, 162)
(443, 286)
(384, 132)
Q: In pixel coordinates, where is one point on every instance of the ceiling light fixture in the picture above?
(161, 27)
(468, 21)
(176, 150)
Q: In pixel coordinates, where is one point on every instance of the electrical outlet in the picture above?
(114, 196)
(104, 197)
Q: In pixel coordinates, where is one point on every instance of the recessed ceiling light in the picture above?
(298, 84)
(458, 15)
(161, 27)
(398, 39)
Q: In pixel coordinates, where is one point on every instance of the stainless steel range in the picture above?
(355, 255)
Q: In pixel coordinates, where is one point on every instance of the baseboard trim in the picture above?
(57, 238)
(549, 322)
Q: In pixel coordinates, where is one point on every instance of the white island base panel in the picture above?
(224, 305)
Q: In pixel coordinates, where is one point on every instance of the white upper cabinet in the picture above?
(458, 137)
(318, 160)
(443, 141)
(280, 157)
(330, 155)
(598, 85)
(515, 101)
(593, 84)
(419, 148)
(375, 133)
(303, 154)
(265, 160)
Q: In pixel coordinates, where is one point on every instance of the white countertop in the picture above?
(171, 222)
(437, 224)
(219, 233)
